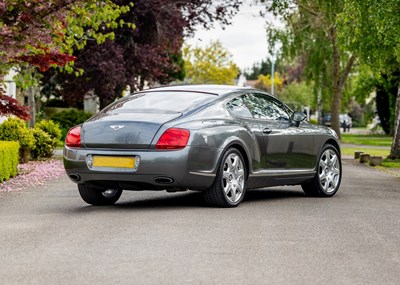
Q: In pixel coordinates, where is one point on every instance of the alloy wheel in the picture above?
(233, 178)
(329, 171)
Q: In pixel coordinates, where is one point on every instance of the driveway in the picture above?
(276, 236)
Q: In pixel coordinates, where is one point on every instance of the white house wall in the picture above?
(10, 87)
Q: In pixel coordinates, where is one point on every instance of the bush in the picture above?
(14, 129)
(43, 144)
(8, 159)
(68, 119)
(56, 103)
(51, 128)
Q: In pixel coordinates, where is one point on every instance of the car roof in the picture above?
(203, 88)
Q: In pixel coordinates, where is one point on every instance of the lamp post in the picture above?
(273, 55)
(272, 74)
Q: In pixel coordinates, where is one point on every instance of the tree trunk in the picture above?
(319, 99)
(383, 108)
(337, 92)
(339, 78)
(395, 150)
(32, 106)
(335, 111)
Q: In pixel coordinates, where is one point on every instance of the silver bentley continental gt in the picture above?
(220, 140)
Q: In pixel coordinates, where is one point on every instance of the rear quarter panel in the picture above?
(210, 138)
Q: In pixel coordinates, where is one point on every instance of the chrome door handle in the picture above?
(267, 131)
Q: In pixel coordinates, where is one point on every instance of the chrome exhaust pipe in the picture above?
(163, 180)
(75, 177)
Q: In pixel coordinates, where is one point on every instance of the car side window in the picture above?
(237, 106)
(267, 108)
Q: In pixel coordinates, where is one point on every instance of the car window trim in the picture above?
(280, 104)
(232, 113)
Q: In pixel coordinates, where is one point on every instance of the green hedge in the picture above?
(15, 129)
(69, 118)
(8, 159)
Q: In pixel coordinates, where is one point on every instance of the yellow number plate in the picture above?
(113, 161)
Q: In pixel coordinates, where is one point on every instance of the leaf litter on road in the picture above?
(33, 173)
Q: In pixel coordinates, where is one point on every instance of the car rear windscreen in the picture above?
(174, 102)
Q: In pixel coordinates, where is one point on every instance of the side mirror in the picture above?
(298, 117)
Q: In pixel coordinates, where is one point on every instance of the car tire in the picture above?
(229, 186)
(329, 174)
(99, 196)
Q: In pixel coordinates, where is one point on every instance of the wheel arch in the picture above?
(239, 146)
(333, 143)
(314, 187)
(329, 141)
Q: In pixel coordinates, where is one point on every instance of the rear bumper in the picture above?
(191, 168)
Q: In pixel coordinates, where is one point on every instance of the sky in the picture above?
(245, 38)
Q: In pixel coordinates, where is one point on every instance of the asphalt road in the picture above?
(276, 236)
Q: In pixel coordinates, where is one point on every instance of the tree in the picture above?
(259, 68)
(264, 82)
(311, 32)
(50, 28)
(44, 33)
(213, 64)
(385, 87)
(297, 95)
(371, 29)
(150, 54)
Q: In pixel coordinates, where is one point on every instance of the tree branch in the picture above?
(347, 70)
(306, 8)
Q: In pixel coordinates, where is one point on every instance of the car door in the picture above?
(239, 109)
(286, 146)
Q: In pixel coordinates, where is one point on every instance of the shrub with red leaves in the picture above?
(10, 106)
(47, 60)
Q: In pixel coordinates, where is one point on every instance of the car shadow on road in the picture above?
(272, 194)
(169, 200)
(193, 199)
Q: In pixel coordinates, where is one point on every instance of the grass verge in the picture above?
(370, 140)
(387, 163)
(390, 163)
(374, 140)
(371, 151)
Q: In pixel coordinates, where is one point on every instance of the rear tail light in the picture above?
(173, 138)
(73, 138)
